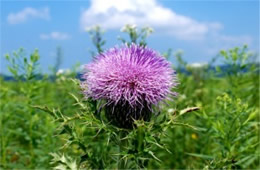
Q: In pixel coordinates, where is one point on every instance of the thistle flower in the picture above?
(131, 80)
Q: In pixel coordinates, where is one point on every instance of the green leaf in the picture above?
(201, 156)
(152, 154)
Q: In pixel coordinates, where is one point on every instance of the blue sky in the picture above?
(199, 28)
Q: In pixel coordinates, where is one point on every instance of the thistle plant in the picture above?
(136, 35)
(122, 90)
(96, 33)
(129, 81)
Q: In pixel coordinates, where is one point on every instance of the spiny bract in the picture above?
(130, 79)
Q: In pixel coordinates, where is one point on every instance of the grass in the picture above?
(46, 124)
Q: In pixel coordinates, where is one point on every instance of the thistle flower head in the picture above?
(130, 79)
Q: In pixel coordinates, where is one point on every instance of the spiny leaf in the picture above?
(45, 109)
(190, 109)
(76, 98)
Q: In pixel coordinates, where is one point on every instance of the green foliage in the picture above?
(26, 135)
(113, 147)
(235, 131)
(135, 35)
(212, 124)
(242, 72)
(24, 132)
(63, 162)
(237, 59)
(96, 33)
(23, 67)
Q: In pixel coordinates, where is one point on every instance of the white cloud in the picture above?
(114, 14)
(215, 42)
(28, 13)
(202, 35)
(55, 36)
(235, 40)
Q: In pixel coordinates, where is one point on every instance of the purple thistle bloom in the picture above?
(130, 80)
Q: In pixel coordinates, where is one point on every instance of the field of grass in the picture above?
(212, 124)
